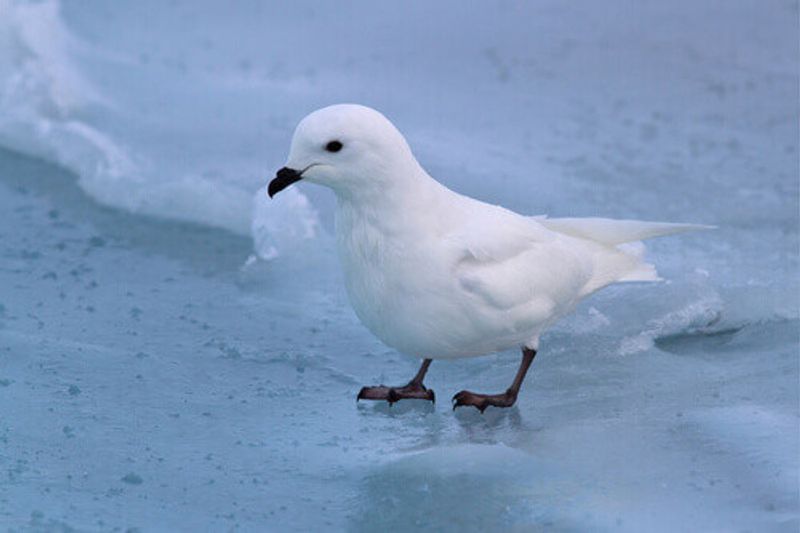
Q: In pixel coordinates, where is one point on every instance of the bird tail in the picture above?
(620, 255)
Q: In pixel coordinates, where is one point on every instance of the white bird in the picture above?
(439, 275)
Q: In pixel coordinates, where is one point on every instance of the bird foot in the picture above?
(412, 391)
(482, 401)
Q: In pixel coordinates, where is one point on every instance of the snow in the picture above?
(177, 352)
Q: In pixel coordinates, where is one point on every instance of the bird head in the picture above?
(350, 148)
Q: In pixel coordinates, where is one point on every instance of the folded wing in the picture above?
(520, 273)
(530, 269)
(612, 232)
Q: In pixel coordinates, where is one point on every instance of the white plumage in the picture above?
(436, 274)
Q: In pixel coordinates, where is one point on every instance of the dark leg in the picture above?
(413, 390)
(505, 399)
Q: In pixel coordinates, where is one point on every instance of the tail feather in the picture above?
(618, 264)
(612, 232)
(619, 255)
(639, 269)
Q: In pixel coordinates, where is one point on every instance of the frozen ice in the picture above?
(177, 352)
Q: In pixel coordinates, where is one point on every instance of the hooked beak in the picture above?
(285, 177)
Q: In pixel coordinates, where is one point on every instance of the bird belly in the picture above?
(419, 309)
(406, 292)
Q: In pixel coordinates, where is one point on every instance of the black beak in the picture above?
(285, 177)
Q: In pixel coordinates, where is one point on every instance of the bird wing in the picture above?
(516, 268)
(614, 231)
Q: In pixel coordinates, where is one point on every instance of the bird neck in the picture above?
(392, 204)
(405, 188)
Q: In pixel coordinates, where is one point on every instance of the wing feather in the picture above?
(519, 268)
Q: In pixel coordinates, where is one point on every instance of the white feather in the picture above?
(436, 274)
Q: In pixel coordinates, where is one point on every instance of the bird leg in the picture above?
(505, 399)
(413, 390)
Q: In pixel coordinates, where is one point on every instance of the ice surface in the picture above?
(157, 373)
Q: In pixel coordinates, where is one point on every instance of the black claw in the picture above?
(392, 397)
(466, 398)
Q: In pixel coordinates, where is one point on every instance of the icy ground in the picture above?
(154, 375)
(145, 381)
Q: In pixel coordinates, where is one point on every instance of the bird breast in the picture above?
(397, 287)
(404, 286)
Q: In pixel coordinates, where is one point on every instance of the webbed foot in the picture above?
(412, 391)
(482, 401)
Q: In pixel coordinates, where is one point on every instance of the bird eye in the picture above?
(333, 146)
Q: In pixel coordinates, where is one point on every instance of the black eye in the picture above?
(333, 146)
